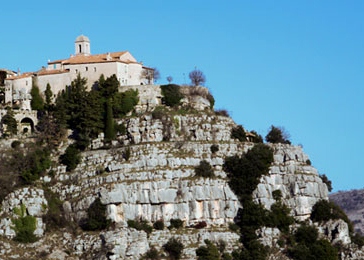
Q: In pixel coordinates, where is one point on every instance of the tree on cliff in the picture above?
(277, 135)
(197, 77)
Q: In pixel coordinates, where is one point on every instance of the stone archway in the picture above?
(26, 125)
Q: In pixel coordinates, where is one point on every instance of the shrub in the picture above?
(120, 128)
(151, 254)
(211, 99)
(15, 144)
(159, 224)
(308, 162)
(277, 135)
(280, 216)
(256, 138)
(36, 163)
(158, 113)
(201, 224)
(205, 170)
(325, 210)
(208, 252)
(277, 194)
(126, 154)
(54, 219)
(326, 181)
(175, 223)
(124, 102)
(233, 227)
(174, 248)
(24, 226)
(222, 112)
(96, 217)
(214, 148)
(171, 95)
(238, 132)
(244, 172)
(140, 224)
(71, 158)
(308, 246)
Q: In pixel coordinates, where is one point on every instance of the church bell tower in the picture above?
(82, 45)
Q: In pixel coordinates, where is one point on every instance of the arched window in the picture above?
(80, 48)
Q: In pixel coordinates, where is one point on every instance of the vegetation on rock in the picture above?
(277, 135)
(171, 95)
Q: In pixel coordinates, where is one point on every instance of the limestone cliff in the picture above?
(149, 173)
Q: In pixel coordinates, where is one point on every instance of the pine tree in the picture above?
(37, 102)
(48, 98)
(109, 122)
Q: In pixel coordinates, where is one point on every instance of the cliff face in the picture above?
(149, 173)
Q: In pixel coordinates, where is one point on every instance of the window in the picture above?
(26, 83)
(86, 68)
(95, 69)
(76, 70)
(79, 48)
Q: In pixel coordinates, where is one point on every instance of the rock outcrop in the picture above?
(149, 174)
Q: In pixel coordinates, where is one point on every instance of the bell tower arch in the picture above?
(82, 46)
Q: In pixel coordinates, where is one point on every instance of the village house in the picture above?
(60, 73)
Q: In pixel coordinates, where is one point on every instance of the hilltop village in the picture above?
(15, 87)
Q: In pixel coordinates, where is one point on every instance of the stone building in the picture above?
(60, 73)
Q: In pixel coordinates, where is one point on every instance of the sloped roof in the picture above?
(123, 56)
(50, 72)
(23, 75)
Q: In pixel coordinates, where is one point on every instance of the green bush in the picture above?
(15, 144)
(140, 224)
(244, 172)
(222, 112)
(96, 217)
(208, 252)
(151, 254)
(159, 224)
(205, 170)
(233, 227)
(71, 158)
(174, 248)
(159, 113)
(24, 226)
(308, 246)
(325, 210)
(175, 223)
(238, 132)
(277, 195)
(171, 95)
(326, 181)
(277, 135)
(214, 148)
(124, 102)
(257, 138)
(54, 218)
(37, 161)
(280, 217)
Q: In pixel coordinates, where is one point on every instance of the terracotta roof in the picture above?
(97, 58)
(23, 75)
(50, 72)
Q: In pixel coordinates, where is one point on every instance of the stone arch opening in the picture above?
(26, 125)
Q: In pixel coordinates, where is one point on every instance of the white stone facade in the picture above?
(61, 73)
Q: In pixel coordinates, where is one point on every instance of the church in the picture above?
(60, 73)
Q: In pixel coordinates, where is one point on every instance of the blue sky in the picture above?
(296, 64)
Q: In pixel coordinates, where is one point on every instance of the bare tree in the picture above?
(150, 74)
(169, 79)
(197, 77)
(156, 74)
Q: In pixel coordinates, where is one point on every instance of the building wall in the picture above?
(58, 82)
